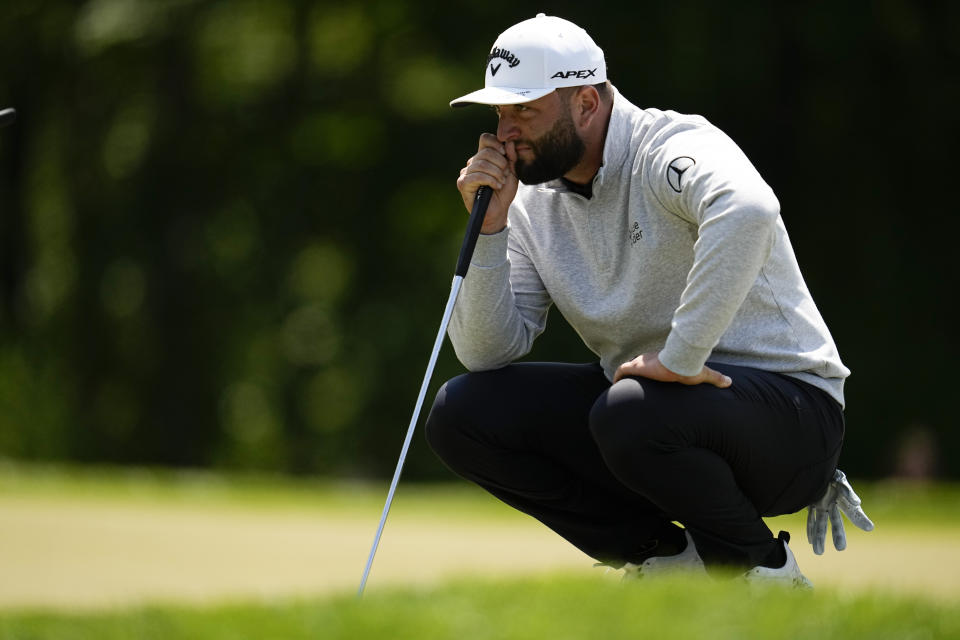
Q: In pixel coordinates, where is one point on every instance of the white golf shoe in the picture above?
(687, 562)
(786, 576)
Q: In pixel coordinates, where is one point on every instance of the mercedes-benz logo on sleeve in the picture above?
(676, 170)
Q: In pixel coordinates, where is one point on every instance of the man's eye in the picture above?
(521, 107)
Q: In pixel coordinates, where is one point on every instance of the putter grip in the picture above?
(480, 204)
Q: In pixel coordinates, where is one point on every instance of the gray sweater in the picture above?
(680, 250)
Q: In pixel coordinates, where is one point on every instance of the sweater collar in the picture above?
(616, 146)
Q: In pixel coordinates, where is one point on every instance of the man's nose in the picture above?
(507, 129)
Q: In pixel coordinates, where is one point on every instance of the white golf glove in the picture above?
(839, 497)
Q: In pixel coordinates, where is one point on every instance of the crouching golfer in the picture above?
(718, 396)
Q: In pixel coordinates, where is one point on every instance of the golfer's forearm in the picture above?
(736, 236)
(489, 327)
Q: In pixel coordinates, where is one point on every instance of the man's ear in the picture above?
(586, 105)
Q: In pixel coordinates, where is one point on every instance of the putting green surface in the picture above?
(81, 540)
(555, 606)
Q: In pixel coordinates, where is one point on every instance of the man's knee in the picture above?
(618, 413)
(628, 430)
(449, 414)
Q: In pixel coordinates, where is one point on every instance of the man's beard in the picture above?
(554, 154)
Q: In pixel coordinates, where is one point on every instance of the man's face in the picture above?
(547, 143)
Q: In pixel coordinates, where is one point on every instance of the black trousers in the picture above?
(612, 467)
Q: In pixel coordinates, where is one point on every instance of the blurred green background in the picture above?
(227, 229)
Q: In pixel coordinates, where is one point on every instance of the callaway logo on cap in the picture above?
(534, 57)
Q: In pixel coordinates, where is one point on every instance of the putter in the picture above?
(480, 203)
(7, 116)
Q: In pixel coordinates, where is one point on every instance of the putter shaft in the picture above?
(474, 224)
(451, 301)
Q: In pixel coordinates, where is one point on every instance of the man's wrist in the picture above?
(492, 233)
(681, 357)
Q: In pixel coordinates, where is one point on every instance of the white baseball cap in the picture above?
(533, 58)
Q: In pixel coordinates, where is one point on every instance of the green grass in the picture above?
(555, 607)
(257, 491)
(908, 504)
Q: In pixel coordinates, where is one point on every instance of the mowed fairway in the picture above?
(81, 540)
